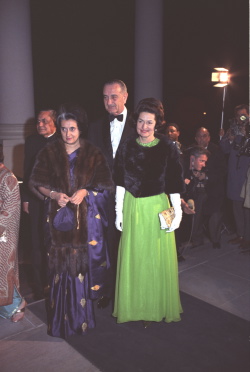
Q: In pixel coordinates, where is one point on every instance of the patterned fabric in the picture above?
(9, 222)
(70, 310)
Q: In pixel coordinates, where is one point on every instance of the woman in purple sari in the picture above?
(73, 177)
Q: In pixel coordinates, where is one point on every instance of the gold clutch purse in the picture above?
(166, 218)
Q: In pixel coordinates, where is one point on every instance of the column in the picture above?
(148, 49)
(16, 80)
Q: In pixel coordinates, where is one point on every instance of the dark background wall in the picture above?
(79, 44)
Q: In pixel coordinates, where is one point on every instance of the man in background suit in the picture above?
(215, 188)
(107, 133)
(46, 132)
(172, 131)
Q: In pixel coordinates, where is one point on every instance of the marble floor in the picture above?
(220, 277)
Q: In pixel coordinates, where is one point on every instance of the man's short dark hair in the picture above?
(197, 151)
(173, 125)
(201, 129)
(52, 113)
(241, 107)
(117, 81)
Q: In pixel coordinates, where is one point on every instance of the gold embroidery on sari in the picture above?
(84, 326)
(83, 302)
(80, 277)
(95, 287)
(56, 278)
(93, 242)
(52, 304)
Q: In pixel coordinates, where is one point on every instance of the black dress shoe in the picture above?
(103, 302)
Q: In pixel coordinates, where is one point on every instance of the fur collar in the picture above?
(68, 250)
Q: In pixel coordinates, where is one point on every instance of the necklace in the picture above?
(148, 144)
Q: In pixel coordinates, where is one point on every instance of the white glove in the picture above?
(119, 197)
(176, 203)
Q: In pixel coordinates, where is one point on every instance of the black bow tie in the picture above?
(118, 117)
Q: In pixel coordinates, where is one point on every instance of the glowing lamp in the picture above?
(221, 77)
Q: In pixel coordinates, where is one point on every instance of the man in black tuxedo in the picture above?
(108, 133)
(46, 132)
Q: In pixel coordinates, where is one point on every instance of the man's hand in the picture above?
(26, 207)
(186, 208)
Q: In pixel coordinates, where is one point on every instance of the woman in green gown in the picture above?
(148, 173)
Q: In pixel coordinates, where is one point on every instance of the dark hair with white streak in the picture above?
(74, 112)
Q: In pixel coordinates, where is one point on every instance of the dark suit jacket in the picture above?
(216, 171)
(99, 135)
(216, 166)
(33, 145)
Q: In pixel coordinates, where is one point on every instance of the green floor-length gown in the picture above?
(147, 271)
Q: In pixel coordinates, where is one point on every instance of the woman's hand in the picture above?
(78, 196)
(61, 198)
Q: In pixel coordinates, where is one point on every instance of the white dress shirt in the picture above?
(116, 129)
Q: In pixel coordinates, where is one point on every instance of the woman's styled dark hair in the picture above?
(74, 112)
(1, 154)
(153, 106)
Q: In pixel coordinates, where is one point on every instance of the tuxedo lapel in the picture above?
(107, 140)
(128, 129)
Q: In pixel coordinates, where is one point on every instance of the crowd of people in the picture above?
(94, 192)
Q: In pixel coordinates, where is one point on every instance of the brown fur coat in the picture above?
(68, 250)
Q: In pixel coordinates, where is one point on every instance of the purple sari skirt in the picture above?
(70, 306)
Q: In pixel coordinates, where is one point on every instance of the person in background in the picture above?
(245, 195)
(108, 133)
(237, 124)
(46, 133)
(147, 169)
(238, 165)
(12, 304)
(215, 173)
(172, 131)
(195, 195)
(73, 172)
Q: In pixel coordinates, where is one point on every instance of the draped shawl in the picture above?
(68, 250)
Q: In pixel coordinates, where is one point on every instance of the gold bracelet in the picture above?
(51, 193)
